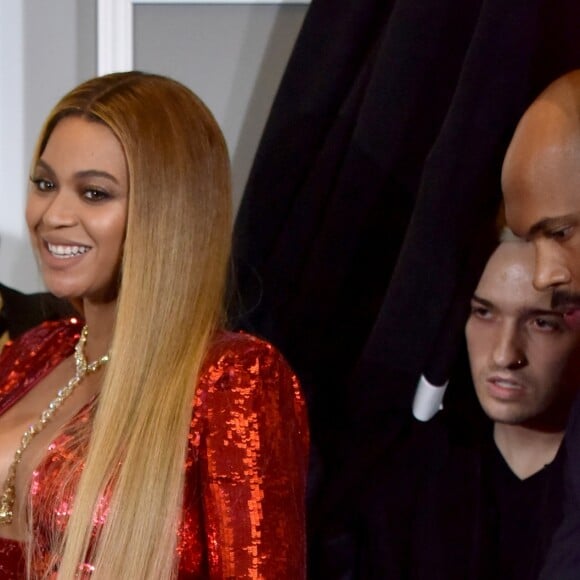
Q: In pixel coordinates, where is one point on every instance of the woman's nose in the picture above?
(60, 211)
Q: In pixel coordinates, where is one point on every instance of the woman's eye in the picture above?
(42, 184)
(92, 194)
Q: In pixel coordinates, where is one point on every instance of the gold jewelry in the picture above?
(82, 369)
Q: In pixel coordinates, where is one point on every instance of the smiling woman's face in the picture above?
(77, 210)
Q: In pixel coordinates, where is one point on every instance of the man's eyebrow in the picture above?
(542, 312)
(528, 311)
(546, 224)
(482, 301)
(84, 173)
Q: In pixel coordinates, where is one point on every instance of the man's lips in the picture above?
(504, 387)
(572, 318)
(504, 382)
(568, 303)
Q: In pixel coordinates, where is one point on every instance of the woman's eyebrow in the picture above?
(83, 173)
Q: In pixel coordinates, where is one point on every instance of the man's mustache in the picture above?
(565, 300)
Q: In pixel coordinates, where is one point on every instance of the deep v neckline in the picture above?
(25, 362)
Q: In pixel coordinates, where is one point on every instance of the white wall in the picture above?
(231, 55)
(44, 52)
(12, 249)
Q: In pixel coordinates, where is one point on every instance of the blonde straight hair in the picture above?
(170, 303)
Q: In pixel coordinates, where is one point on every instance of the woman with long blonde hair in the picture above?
(141, 440)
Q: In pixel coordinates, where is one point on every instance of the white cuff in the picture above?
(428, 399)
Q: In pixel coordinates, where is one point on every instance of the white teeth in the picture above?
(67, 251)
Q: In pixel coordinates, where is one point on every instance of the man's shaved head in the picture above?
(544, 150)
(541, 185)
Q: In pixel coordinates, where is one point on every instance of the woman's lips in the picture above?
(62, 256)
(66, 251)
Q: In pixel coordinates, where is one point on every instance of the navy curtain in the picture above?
(371, 205)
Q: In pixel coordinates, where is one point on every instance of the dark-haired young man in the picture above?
(462, 502)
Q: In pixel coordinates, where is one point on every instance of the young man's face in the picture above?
(519, 348)
(541, 184)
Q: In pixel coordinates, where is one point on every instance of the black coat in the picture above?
(20, 312)
(563, 561)
(429, 513)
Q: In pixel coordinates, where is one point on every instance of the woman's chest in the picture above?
(52, 495)
(27, 429)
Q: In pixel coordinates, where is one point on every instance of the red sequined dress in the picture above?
(243, 514)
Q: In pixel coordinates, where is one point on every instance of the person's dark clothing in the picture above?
(21, 312)
(563, 560)
(450, 508)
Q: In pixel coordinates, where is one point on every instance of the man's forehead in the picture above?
(507, 279)
(541, 170)
(512, 264)
(512, 297)
(541, 187)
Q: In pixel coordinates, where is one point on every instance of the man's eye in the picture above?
(560, 233)
(42, 184)
(547, 324)
(480, 312)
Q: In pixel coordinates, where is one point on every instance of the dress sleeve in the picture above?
(253, 461)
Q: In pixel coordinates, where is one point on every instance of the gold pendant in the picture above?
(6, 505)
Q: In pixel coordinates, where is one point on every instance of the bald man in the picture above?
(541, 184)
(469, 504)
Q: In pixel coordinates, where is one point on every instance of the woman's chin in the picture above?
(62, 292)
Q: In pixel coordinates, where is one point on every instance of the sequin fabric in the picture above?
(243, 514)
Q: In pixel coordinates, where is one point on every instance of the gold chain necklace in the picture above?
(82, 369)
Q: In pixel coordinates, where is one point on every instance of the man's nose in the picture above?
(509, 350)
(551, 268)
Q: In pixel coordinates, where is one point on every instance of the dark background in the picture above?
(371, 209)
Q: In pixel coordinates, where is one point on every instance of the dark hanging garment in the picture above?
(371, 206)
